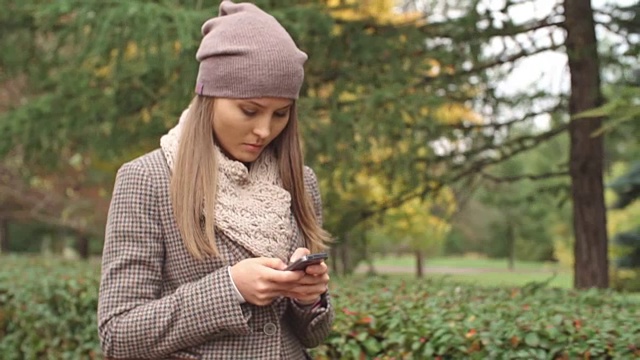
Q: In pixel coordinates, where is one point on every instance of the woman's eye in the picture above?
(249, 112)
(281, 114)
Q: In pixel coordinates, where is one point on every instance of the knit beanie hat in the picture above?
(246, 53)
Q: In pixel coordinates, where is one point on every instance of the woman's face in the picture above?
(244, 127)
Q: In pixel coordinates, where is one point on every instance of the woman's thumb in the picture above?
(273, 263)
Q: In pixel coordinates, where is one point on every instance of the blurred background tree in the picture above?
(414, 142)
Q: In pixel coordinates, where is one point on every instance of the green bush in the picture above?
(48, 311)
(387, 319)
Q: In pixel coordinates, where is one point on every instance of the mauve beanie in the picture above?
(246, 53)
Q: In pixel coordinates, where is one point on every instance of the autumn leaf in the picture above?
(577, 324)
(471, 333)
(515, 341)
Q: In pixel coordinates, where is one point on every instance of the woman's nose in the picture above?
(263, 128)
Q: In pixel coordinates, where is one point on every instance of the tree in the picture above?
(527, 203)
(418, 226)
(587, 151)
(409, 99)
(627, 189)
(112, 85)
(4, 235)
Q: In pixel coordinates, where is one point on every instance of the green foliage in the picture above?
(527, 208)
(48, 311)
(455, 243)
(627, 186)
(110, 77)
(627, 189)
(631, 241)
(103, 80)
(28, 238)
(622, 107)
(409, 320)
(101, 77)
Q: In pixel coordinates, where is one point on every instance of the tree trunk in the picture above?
(345, 257)
(371, 270)
(334, 259)
(419, 264)
(82, 245)
(4, 236)
(587, 151)
(511, 243)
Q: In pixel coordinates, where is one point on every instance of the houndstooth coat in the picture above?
(158, 302)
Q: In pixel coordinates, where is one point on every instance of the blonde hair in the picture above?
(194, 181)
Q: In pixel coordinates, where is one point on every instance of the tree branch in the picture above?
(533, 177)
(475, 168)
(493, 125)
(523, 143)
(500, 61)
(439, 30)
(23, 202)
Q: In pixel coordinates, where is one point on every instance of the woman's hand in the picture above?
(261, 280)
(313, 283)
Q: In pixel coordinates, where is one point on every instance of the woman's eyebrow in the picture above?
(262, 106)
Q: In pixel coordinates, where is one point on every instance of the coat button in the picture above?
(270, 328)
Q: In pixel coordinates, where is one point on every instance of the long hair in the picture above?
(194, 181)
(291, 164)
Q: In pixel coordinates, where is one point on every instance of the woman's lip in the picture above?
(253, 147)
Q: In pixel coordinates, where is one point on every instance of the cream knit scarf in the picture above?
(252, 209)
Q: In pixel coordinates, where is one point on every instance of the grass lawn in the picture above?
(465, 262)
(490, 272)
(562, 280)
(498, 278)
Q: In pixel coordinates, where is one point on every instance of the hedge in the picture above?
(48, 311)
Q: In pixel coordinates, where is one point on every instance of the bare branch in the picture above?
(465, 172)
(20, 201)
(533, 177)
(500, 61)
(522, 144)
(494, 125)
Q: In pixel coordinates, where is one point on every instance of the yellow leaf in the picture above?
(454, 113)
(433, 67)
(145, 115)
(325, 91)
(131, 51)
(406, 117)
(381, 10)
(336, 30)
(347, 96)
(104, 71)
(323, 159)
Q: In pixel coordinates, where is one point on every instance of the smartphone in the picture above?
(307, 260)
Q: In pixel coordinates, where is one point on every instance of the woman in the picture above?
(199, 231)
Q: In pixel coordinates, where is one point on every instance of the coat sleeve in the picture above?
(134, 321)
(312, 325)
